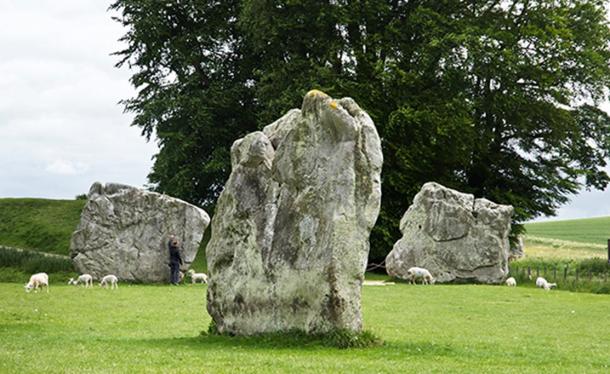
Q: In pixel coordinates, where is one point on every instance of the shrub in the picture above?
(593, 265)
(33, 262)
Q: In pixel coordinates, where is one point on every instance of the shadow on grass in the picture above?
(309, 344)
(290, 340)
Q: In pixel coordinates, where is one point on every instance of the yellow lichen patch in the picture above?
(316, 93)
(333, 104)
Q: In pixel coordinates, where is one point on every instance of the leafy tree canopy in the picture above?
(496, 98)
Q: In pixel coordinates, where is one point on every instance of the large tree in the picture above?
(497, 98)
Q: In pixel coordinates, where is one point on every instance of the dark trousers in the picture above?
(174, 275)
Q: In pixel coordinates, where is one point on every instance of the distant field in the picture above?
(590, 230)
(39, 224)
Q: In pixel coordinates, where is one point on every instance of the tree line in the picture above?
(496, 98)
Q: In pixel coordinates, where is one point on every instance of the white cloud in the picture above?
(62, 167)
(61, 127)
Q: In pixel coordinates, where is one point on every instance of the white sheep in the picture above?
(87, 279)
(543, 283)
(111, 280)
(416, 273)
(511, 282)
(195, 277)
(37, 280)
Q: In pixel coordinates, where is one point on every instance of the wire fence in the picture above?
(587, 276)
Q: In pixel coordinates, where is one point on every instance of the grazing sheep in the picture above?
(195, 277)
(511, 282)
(548, 286)
(37, 280)
(543, 283)
(87, 279)
(111, 280)
(415, 273)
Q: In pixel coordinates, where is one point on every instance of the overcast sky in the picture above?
(61, 127)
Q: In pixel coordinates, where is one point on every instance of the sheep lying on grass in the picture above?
(196, 277)
(511, 282)
(543, 283)
(415, 273)
(37, 280)
(87, 279)
(110, 280)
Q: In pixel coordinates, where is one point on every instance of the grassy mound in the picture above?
(39, 224)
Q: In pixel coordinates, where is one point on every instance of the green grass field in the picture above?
(157, 328)
(591, 230)
(461, 328)
(39, 224)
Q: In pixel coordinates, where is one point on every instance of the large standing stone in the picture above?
(289, 241)
(124, 231)
(455, 236)
(517, 249)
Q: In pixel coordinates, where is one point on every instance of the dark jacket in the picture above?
(174, 254)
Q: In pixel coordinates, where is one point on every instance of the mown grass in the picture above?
(39, 224)
(589, 230)
(463, 328)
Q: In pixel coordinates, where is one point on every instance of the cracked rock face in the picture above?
(290, 233)
(124, 231)
(453, 235)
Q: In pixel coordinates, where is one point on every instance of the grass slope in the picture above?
(590, 230)
(461, 328)
(39, 224)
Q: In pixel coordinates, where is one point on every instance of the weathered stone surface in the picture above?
(453, 235)
(290, 233)
(517, 250)
(124, 231)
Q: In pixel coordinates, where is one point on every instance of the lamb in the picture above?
(511, 282)
(543, 283)
(415, 273)
(37, 280)
(195, 277)
(111, 280)
(87, 279)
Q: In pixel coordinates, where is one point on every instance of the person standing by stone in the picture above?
(175, 260)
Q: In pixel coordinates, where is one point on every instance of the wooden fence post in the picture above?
(565, 273)
(555, 274)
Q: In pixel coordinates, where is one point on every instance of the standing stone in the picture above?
(455, 236)
(517, 249)
(124, 231)
(289, 242)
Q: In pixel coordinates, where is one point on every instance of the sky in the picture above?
(61, 126)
